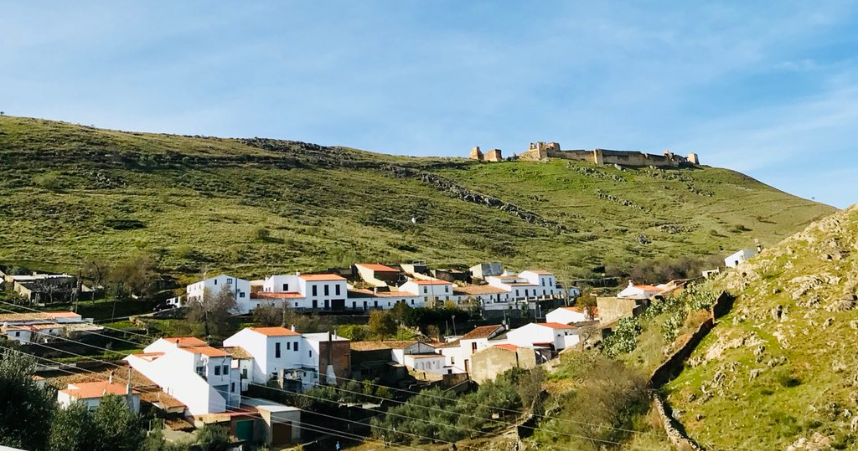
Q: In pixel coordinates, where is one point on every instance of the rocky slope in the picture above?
(256, 206)
(781, 370)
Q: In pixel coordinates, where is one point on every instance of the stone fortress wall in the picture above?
(542, 151)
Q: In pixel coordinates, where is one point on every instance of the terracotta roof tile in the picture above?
(508, 347)
(377, 267)
(90, 390)
(556, 325)
(483, 332)
(185, 342)
(274, 331)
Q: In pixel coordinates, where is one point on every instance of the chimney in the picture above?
(128, 384)
(293, 328)
(110, 378)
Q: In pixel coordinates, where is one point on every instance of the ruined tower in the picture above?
(693, 159)
(476, 154)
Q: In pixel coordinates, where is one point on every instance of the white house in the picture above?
(640, 291)
(438, 290)
(38, 326)
(239, 288)
(191, 371)
(285, 355)
(528, 285)
(459, 357)
(571, 315)
(560, 336)
(365, 299)
(308, 291)
(430, 363)
(91, 394)
(739, 257)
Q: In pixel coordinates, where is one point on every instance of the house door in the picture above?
(467, 365)
(315, 304)
(281, 433)
(364, 305)
(244, 430)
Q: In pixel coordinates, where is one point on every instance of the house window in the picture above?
(232, 387)
(296, 346)
(311, 353)
(201, 371)
(225, 370)
(425, 290)
(474, 347)
(277, 350)
(244, 373)
(288, 345)
(285, 287)
(17, 334)
(446, 289)
(315, 290)
(412, 302)
(217, 370)
(354, 303)
(326, 290)
(229, 281)
(337, 289)
(215, 281)
(241, 294)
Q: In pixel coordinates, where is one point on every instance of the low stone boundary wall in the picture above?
(675, 363)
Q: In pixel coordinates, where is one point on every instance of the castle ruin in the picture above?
(493, 155)
(543, 151)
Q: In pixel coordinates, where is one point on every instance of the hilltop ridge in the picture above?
(77, 192)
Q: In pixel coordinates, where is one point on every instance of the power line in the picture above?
(377, 397)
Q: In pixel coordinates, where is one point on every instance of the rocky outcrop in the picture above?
(453, 189)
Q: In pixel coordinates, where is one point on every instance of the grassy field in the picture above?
(782, 365)
(198, 204)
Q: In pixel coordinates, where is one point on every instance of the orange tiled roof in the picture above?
(377, 267)
(479, 289)
(185, 342)
(90, 390)
(207, 351)
(314, 277)
(556, 325)
(63, 314)
(431, 282)
(481, 332)
(274, 331)
(508, 347)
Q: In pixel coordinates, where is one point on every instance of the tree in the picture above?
(268, 315)
(213, 438)
(96, 271)
(213, 312)
(117, 427)
(25, 408)
(382, 324)
(72, 429)
(135, 276)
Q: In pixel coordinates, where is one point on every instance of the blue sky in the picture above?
(766, 88)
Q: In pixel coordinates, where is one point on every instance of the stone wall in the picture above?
(489, 363)
(612, 308)
(624, 158)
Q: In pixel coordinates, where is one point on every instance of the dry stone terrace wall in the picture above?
(455, 190)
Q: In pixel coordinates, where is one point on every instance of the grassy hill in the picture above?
(781, 369)
(255, 206)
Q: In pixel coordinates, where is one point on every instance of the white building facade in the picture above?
(188, 369)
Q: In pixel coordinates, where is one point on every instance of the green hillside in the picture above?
(781, 369)
(255, 206)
